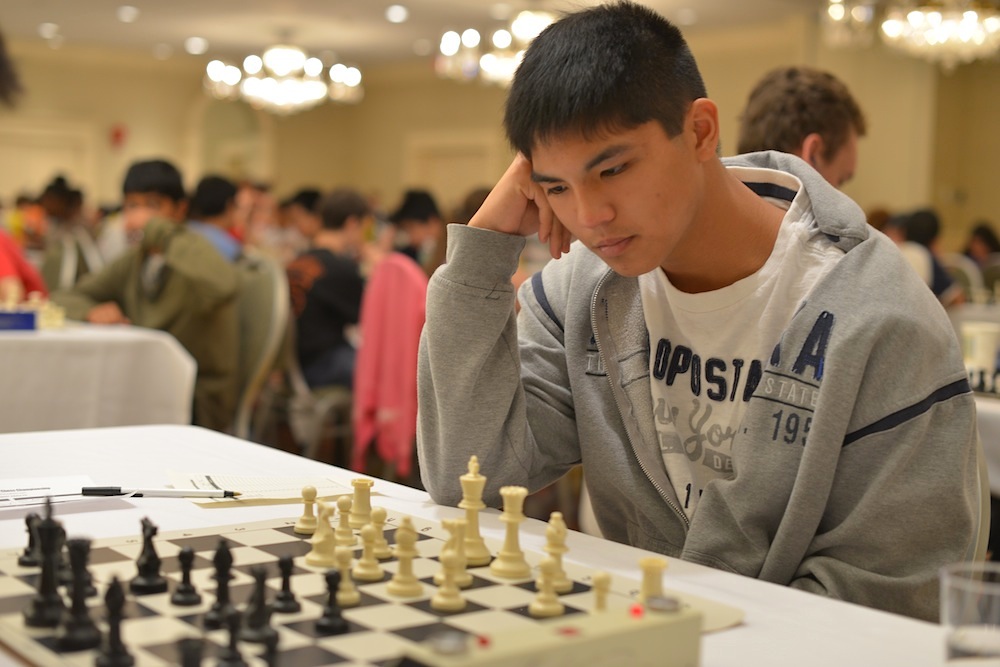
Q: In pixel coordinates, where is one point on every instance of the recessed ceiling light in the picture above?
(397, 14)
(422, 47)
(128, 14)
(162, 51)
(196, 45)
(48, 30)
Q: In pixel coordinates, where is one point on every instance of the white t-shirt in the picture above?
(708, 350)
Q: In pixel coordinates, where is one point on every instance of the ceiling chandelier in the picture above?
(464, 56)
(848, 23)
(283, 80)
(949, 33)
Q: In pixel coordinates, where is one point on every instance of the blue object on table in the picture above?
(18, 320)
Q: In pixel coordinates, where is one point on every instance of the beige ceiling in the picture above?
(353, 31)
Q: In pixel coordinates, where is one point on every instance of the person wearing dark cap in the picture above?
(419, 220)
(213, 211)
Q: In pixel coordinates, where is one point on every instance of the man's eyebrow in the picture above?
(607, 153)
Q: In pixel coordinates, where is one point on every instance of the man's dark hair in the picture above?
(341, 204)
(10, 84)
(154, 176)
(212, 196)
(922, 227)
(790, 103)
(613, 67)
(307, 198)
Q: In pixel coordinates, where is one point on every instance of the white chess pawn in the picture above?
(546, 603)
(323, 540)
(555, 546)
(602, 585)
(652, 577)
(347, 593)
(382, 550)
(448, 596)
(306, 525)
(361, 506)
(367, 567)
(345, 536)
(404, 583)
(510, 562)
(473, 483)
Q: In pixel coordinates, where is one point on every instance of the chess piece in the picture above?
(221, 609)
(114, 653)
(448, 596)
(510, 562)
(284, 601)
(546, 603)
(332, 622)
(652, 577)
(185, 595)
(361, 506)
(404, 583)
(46, 608)
(78, 630)
(149, 580)
(367, 567)
(602, 585)
(190, 650)
(257, 629)
(347, 594)
(455, 544)
(555, 546)
(472, 482)
(323, 540)
(306, 525)
(32, 556)
(345, 536)
(382, 550)
(229, 655)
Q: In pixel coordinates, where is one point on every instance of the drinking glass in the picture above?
(970, 611)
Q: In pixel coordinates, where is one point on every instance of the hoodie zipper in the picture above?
(621, 414)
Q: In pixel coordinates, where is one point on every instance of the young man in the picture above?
(213, 214)
(173, 280)
(808, 113)
(326, 287)
(729, 352)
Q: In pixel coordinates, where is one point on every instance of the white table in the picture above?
(87, 376)
(783, 626)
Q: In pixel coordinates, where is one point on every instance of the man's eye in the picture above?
(556, 190)
(613, 171)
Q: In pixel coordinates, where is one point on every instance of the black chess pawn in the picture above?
(65, 575)
(185, 595)
(32, 556)
(190, 650)
(257, 628)
(78, 630)
(332, 622)
(114, 653)
(149, 580)
(46, 609)
(229, 656)
(216, 617)
(284, 601)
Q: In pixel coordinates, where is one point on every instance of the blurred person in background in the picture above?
(983, 243)
(419, 227)
(213, 215)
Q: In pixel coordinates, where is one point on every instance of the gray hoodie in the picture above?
(878, 489)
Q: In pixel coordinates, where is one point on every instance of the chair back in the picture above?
(977, 551)
(966, 273)
(263, 313)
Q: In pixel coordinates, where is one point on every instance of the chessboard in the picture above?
(381, 627)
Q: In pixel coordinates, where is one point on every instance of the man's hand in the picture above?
(107, 313)
(517, 206)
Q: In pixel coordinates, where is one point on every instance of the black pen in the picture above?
(157, 493)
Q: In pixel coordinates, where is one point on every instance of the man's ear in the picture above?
(705, 120)
(812, 149)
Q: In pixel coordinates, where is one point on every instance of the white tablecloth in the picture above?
(87, 376)
(782, 626)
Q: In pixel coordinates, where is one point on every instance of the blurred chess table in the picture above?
(86, 376)
(782, 626)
